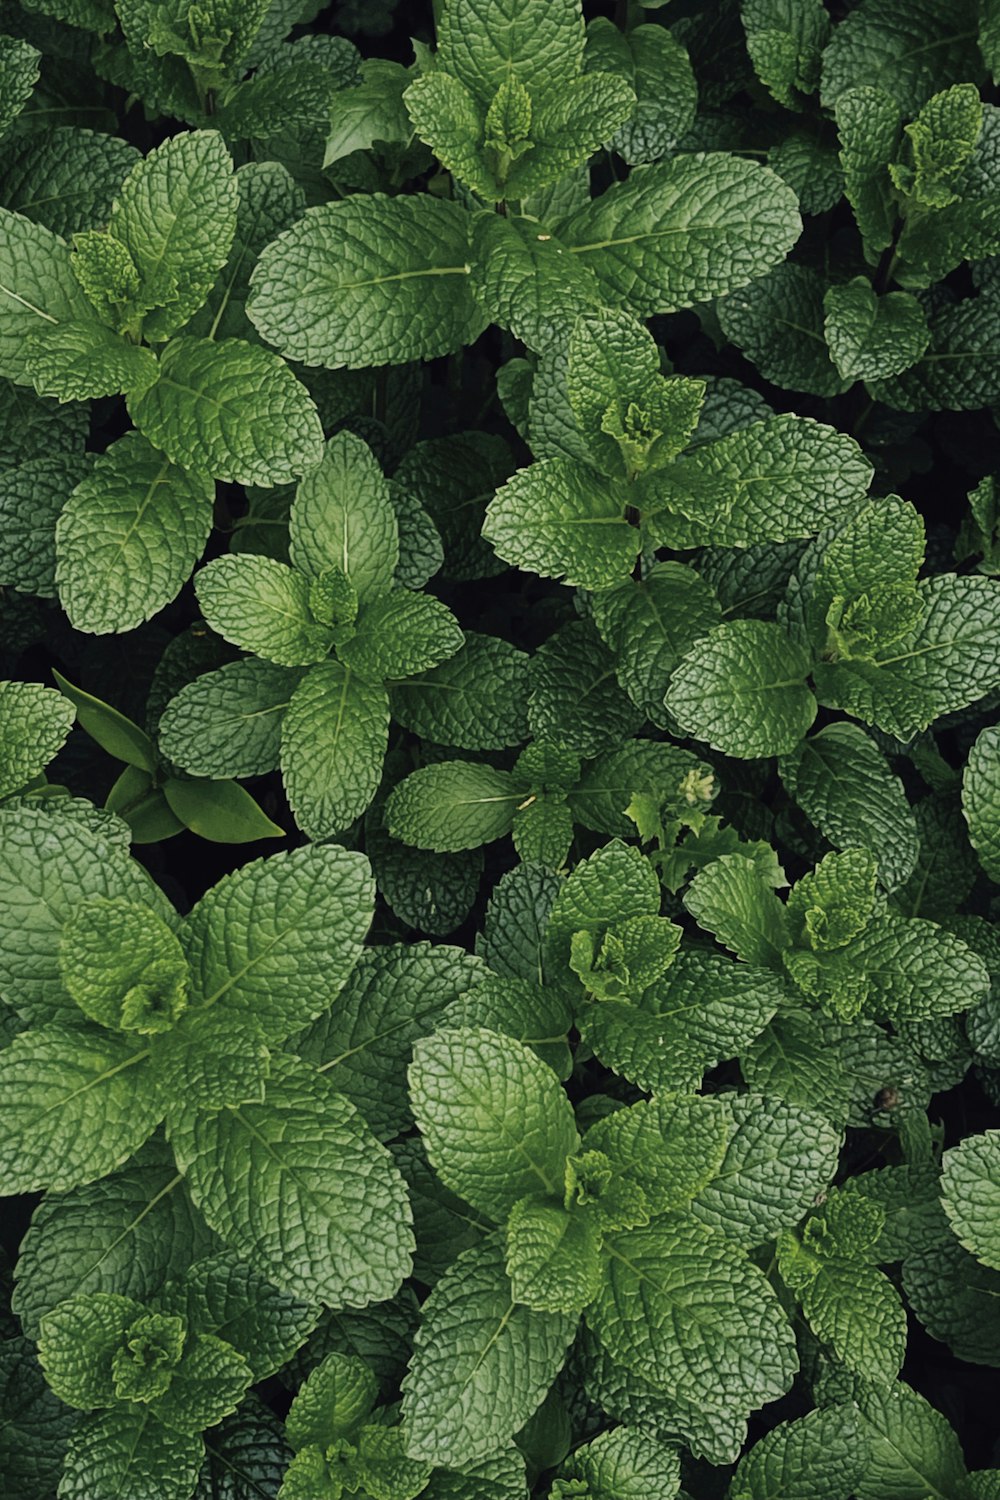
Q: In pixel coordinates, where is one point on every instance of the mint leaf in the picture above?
(113, 1451)
(37, 290)
(80, 1101)
(553, 1257)
(822, 1456)
(302, 1158)
(226, 1298)
(472, 701)
(343, 518)
(466, 1075)
(274, 942)
(981, 803)
(871, 337)
(745, 221)
(914, 1450)
(263, 606)
(563, 521)
(124, 967)
(230, 410)
(74, 361)
(968, 1183)
(401, 635)
(453, 805)
(129, 536)
(742, 689)
(333, 739)
(395, 284)
(482, 1363)
(228, 722)
(34, 725)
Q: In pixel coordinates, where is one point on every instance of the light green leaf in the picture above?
(553, 1258)
(821, 1456)
(115, 1451)
(481, 1362)
(526, 279)
(869, 123)
(343, 518)
(123, 966)
(79, 1102)
(453, 805)
(731, 900)
(734, 219)
(914, 1452)
(495, 1121)
(274, 942)
(388, 282)
(231, 410)
(34, 725)
(852, 1307)
(129, 536)
(78, 1341)
(611, 886)
(737, 1352)
(871, 337)
(332, 1402)
(115, 733)
(77, 361)
(785, 41)
(176, 213)
(473, 701)
(842, 782)
(364, 1042)
(970, 1186)
(228, 722)
(483, 42)
(774, 481)
(742, 689)
(262, 606)
(561, 520)
(656, 66)
(981, 799)
(400, 635)
(626, 1463)
(308, 1197)
(37, 290)
(220, 811)
(333, 741)
(671, 1146)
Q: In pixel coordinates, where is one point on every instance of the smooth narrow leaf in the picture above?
(220, 811)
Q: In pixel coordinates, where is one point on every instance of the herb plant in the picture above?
(528, 470)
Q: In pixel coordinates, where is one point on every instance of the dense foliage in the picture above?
(540, 474)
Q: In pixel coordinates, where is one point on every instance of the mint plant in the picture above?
(499, 762)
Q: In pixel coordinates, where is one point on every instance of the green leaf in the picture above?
(842, 782)
(50, 861)
(981, 799)
(231, 410)
(970, 1194)
(822, 1456)
(561, 520)
(453, 805)
(400, 635)
(274, 942)
(76, 361)
(18, 76)
(671, 1146)
(484, 41)
(36, 1426)
(514, 926)
(735, 220)
(79, 1102)
(363, 1044)
(482, 1363)
(543, 831)
(914, 1452)
(955, 373)
(737, 1354)
(656, 66)
(785, 42)
(495, 1121)
(910, 50)
(223, 1296)
(575, 699)
(112, 731)
(373, 111)
(705, 1010)
(332, 1402)
(777, 322)
(553, 1258)
(142, 807)
(954, 1297)
(851, 1306)
(742, 689)
(613, 885)
(343, 518)
(65, 177)
(37, 290)
(115, 1451)
(129, 536)
(627, 1463)
(526, 279)
(123, 966)
(947, 661)
(262, 606)
(473, 701)
(228, 722)
(176, 214)
(128, 1233)
(308, 1196)
(34, 725)
(31, 498)
(869, 123)
(393, 285)
(779, 1158)
(220, 811)
(871, 337)
(333, 742)
(208, 1060)
(78, 1342)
